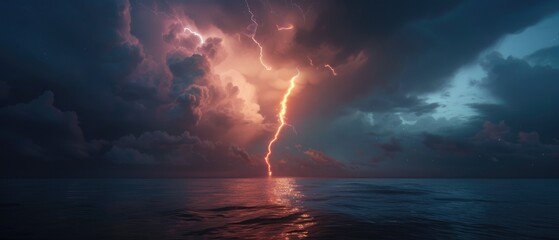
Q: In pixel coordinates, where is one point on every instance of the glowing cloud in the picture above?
(281, 116)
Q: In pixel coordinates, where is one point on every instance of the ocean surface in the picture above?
(279, 208)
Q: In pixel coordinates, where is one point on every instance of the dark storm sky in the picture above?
(423, 88)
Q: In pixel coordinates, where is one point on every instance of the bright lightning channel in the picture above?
(331, 69)
(281, 116)
(254, 39)
(288, 27)
(185, 29)
(195, 34)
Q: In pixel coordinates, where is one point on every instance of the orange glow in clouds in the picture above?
(281, 116)
(252, 110)
(283, 104)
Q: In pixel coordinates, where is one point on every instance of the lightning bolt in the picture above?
(254, 39)
(331, 69)
(195, 34)
(310, 61)
(288, 27)
(283, 123)
(303, 13)
(174, 15)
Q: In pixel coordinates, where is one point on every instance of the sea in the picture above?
(279, 208)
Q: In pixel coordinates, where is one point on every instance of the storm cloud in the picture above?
(121, 88)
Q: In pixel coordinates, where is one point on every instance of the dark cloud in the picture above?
(191, 154)
(523, 156)
(411, 48)
(446, 145)
(38, 130)
(529, 138)
(189, 89)
(388, 149)
(340, 22)
(321, 158)
(492, 131)
(547, 56)
(213, 50)
(405, 104)
(129, 156)
(314, 163)
(83, 62)
(527, 93)
(392, 146)
(416, 55)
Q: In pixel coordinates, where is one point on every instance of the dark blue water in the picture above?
(279, 208)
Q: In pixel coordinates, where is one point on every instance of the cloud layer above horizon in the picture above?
(415, 89)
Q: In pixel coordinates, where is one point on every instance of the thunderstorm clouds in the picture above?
(460, 88)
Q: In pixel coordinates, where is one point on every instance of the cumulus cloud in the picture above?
(192, 155)
(102, 73)
(527, 94)
(492, 131)
(313, 163)
(321, 158)
(547, 56)
(129, 156)
(388, 150)
(408, 52)
(524, 156)
(446, 145)
(213, 50)
(39, 130)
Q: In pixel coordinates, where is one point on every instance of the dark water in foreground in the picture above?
(279, 208)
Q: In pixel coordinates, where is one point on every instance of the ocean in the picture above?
(279, 208)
